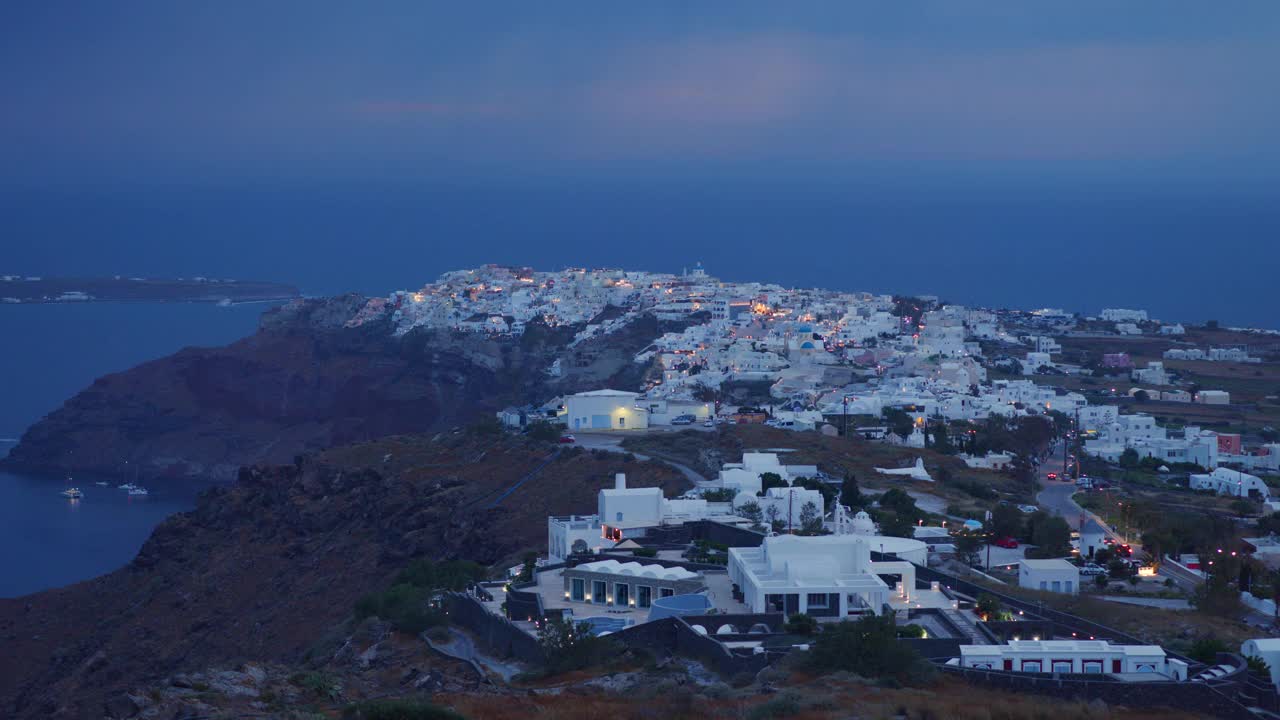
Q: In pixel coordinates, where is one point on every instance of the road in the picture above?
(612, 441)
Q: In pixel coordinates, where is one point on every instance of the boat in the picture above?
(73, 493)
(127, 486)
(103, 484)
(135, 490)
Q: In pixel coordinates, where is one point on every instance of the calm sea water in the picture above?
(50, 353)
(50, 541)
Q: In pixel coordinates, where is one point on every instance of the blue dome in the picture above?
(806, 345)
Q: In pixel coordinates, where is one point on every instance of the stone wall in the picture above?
(1190, 697)
(498, 635)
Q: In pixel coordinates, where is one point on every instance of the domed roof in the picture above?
(863, 524)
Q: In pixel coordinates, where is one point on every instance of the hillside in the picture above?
(265, 569)
(308, 380)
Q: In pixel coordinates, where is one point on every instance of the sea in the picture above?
(50, 353)
(1184, 251)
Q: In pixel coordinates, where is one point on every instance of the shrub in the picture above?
(544, 431)
(783, 705)
(404, 606)
(1206, 648)
(801, 624)
(868, 647)
(911, 631)
(571, 646)
(399, 710)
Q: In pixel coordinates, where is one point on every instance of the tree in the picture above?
(895, 525)
(900, 423)
(579, 547)
(850, 493)
(720, 495)
(810, 519)
(968, 544)
(1053, 536)
(1129, 459)
(828, 492)
(526, 571)
(988, 606)
(1007, 521)
(775, 519)
(900, 502)
(1101, 581)
(543, 431)
(1141, 396)
(752, 512)
(770, 480)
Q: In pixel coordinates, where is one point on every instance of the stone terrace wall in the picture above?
(1193, 697)
(499, 635)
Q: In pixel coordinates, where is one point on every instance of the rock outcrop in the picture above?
(307, 380)
(265, 569)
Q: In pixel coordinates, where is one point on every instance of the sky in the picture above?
(146, 91)
(1007, 152)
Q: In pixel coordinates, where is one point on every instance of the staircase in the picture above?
(965, 626)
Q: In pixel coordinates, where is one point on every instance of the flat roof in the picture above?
(1053, 564)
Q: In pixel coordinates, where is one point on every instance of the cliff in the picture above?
(307, 380)
(264, 570)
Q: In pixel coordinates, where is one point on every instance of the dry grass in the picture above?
(824, 698)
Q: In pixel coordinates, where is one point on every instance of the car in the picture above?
(1006, 542)
(1052, 476)
(709, 423)
(1124, 550)
(683, 420)
(1028, 508)
(568, 439)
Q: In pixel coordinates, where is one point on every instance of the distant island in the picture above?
(16, 289)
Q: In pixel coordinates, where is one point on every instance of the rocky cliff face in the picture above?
(265, 569)
(306, 381)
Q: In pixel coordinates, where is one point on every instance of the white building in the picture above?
(1267, 649)
(1230, 482)
(1124, 315)
(1052, 575)
(623, 512)
(1213, 397)
(1034, 361)
(1152, 374)
(1080, 657)
(605, 410)
(823, 576)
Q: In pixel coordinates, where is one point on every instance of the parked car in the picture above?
(1052, 476)
(683, 420)
(709, 423)
(567, 439)
(1028, 508)
(1093, 569)
(1006, 542)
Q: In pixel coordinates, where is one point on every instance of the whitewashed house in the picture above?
(1224, 481)
(1079, 657)
(605, 410)
(1055, 575)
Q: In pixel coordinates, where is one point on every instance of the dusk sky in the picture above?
(1081, 153)
(163, 91)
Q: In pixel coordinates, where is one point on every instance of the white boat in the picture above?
(127, 486)
(135, 490)
(103, 484)
(73, 493)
